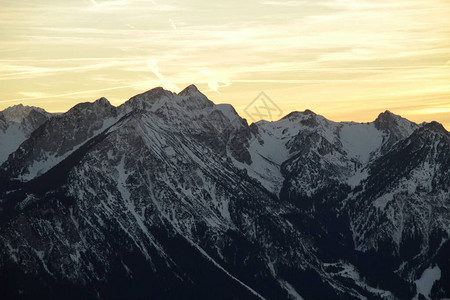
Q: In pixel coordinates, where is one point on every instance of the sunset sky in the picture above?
(344, 59)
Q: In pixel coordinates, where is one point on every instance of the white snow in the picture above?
(10, 140)
(269, 148)
(426, 281)
(28, 199)
(203, 252)
(228, 111)
(359, 176)
(170, 151)
(382, 201)
(16, 132)
(360, 140)
(349, 271)
(40, 167)
(268, 151)
(40, 255)
(18, 113)
(290, 289)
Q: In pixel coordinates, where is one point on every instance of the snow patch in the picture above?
(203, 252)
(349, 271)
(426, 281)
(40, 167)
(10, 140)
(382, 201)
(290, 289)
(357, 178)
(360, 140)
(228, 111)
(268, 151)
(169, 151)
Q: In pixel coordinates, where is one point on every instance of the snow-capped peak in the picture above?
(436, 127)
(18, 113)
(189, 90)
(387, 120)
(179, 183)
(192, 98)
(394, 128)
(16, 124)
(387, 116)
(102, 101)
(147, 99)
(295, 115)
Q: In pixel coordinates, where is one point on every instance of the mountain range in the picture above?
(170, 196)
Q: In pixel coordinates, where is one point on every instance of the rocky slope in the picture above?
(172, 196)
(16, 124)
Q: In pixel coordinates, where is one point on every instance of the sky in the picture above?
(348, 60)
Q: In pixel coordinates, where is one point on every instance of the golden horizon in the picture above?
(415, 116)
(344, 59)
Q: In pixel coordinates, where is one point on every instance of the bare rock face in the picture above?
(3, 123)
(56, 139)
(395, 127)
(18, 113)
(172, 196)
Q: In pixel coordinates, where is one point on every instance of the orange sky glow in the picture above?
(344, 59)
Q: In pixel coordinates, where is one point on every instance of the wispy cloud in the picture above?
(286, 3)
(111, 4)
(347, 55)
(14, 72)
(38, 96)
(153, 66)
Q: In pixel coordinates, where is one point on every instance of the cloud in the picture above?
(173, 24)
(286, 3)
(38, 95)
(166, 83)
(99, 4)
(431, 111)
(14, 72)
(34, 95)
(328, 51)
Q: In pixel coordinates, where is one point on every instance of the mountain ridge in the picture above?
(185, 193)
(160, 91)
